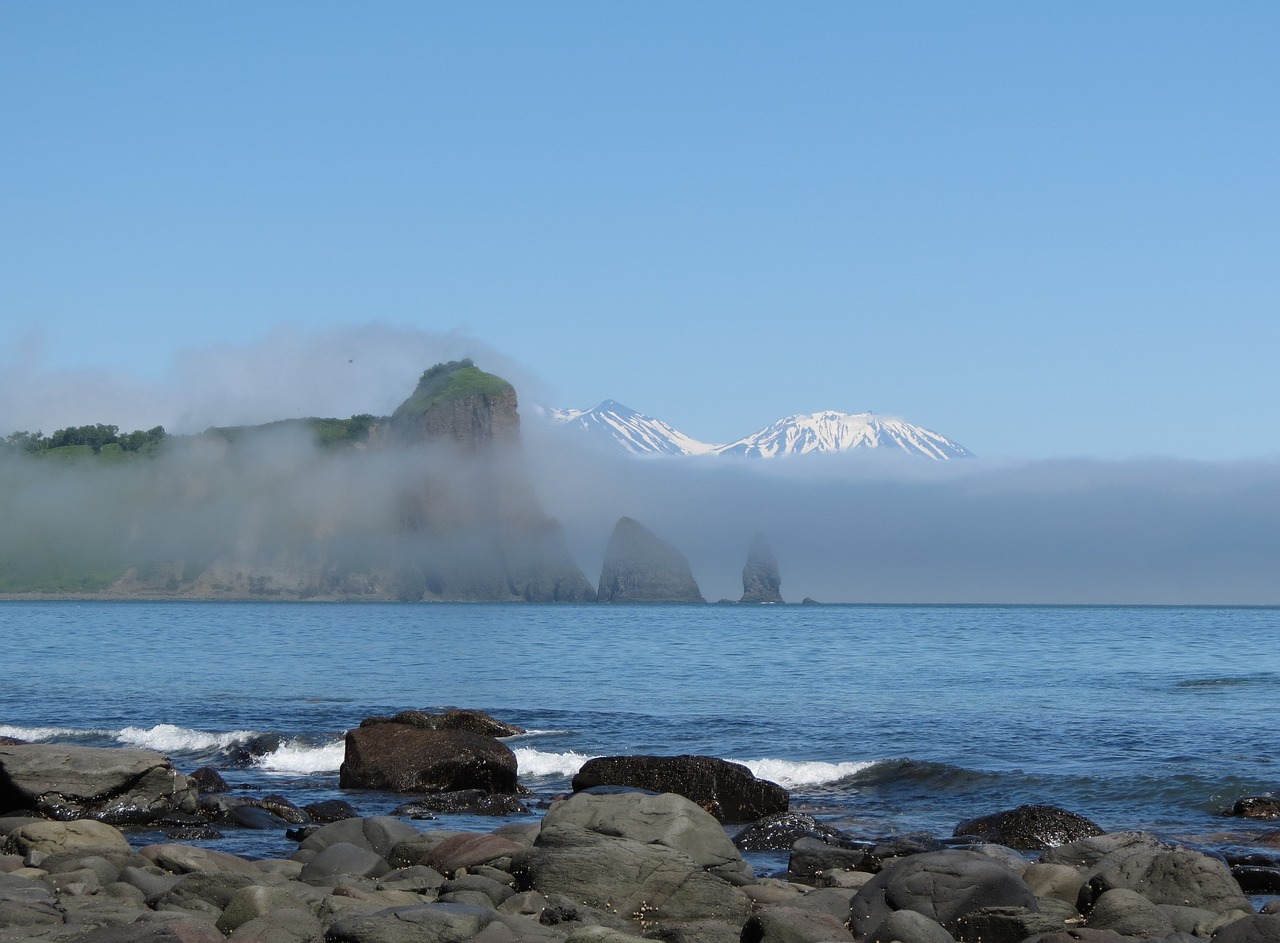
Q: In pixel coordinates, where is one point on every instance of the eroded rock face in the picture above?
(640, 567)
(400, 758)
(729, 791)
(120, 787)
(761, 580)
(1030, 827)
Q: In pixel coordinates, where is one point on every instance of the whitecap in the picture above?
(293, 756)
(792, 773)
(533, 762)
(170, 738)
(32, 734)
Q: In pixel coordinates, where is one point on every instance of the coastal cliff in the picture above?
(641, 567)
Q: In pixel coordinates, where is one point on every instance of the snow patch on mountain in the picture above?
(832, 431)
(617, 426)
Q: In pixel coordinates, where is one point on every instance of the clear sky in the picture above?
(1041, 229)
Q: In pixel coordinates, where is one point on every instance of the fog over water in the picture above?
(858, 528)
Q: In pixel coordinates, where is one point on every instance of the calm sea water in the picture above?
(879, 719)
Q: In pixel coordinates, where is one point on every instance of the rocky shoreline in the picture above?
(642, 849)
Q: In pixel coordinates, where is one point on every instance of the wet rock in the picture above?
(1257, 807)
(331, 810)
(730, 791)
(1030, 827)
(209, 781)
(400, 758)
(472, 721)
(812, 856)
(780, 831)
(469, 801)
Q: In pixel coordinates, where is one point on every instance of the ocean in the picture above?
(881, 720)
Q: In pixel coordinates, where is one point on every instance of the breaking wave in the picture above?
(792, 773)
(297, 756)
(170, 738)
(535, 763)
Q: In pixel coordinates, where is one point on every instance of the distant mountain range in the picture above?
(618, 426)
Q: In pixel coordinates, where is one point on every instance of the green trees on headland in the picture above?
(91, 437)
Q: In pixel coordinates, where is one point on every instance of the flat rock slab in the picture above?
(114, 785)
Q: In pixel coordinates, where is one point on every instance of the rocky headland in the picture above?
(612, 862)
(641, 567)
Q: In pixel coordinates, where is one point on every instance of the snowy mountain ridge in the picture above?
(613, 424)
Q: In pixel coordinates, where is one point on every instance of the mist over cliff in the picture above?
(861, 529)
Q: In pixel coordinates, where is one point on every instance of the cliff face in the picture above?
(639, 567)
(459, 402)
(760, 577)
(431, 504)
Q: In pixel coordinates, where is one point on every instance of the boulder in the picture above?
(907, 926)
(397, 757)
(1030, 827)
(644, 882)
(343, 859)
(782, 830)
(378, 833)
(1258, 928)
(466, 850)
(640, 567)
(331, 810)
(1162, 873)
(1257, 807)
(454, 719)
(665, 819)
(117, 786)
(941, 885)
(812, 856)
(59, 838)
(784, 924)
(760, 577)
(1129, 914)
(728, 790)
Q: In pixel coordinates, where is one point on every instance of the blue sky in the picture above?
(1043, 230)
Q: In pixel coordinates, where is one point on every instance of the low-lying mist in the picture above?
(858, 528)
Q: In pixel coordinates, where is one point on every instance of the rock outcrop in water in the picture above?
(640, 567)
(760, 577)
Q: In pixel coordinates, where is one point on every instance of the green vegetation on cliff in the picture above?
(446, 382)
(77, 441)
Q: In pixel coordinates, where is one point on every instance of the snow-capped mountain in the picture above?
(831, 431)
(618, 426)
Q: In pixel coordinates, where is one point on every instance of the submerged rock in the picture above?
(1030, 827)
(640, 567)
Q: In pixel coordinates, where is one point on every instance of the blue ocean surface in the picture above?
(879, 719)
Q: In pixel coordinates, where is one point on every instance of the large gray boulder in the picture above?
(665, 819)
(117, 786)
(941, 885)
(398, 757)
(640, 567)
(729, 791)
(1162, 873)
(645, 883)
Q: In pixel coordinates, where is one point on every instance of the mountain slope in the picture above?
(617, 426)
(832, 431)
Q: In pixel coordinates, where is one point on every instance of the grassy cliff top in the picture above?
(445, 382)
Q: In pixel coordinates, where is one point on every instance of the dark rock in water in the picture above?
(809, 601)
(280, 806)
(194, 833)
(10, 741)
(243, 754)
(120, 787)
(1030, 827)
(779, 832)
(1257, 880)
(208, 780)
(331, 810)
(251, 816)
(456, 719)
(729, 791)
(942, 885)
(760, 577)
(813, 856)
(1257, 807)
(640, 567)
(400, 758)
(468, 801)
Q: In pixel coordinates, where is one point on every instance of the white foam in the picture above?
(792, 773)
(534, 733)
(531, 762)
(169, 738)
(39, 733)
(294, 757)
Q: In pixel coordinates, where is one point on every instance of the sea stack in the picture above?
(640, 567)
(760, 577)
